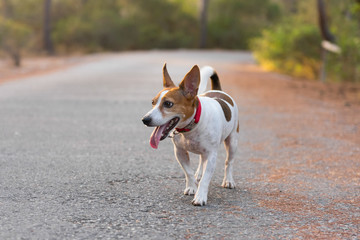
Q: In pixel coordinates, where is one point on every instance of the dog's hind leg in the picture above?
(183, 158)
(230, 143)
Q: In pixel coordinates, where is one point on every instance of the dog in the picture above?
(198, 122)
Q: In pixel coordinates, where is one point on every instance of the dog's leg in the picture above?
(208, 163)
(198, 173)
(182, 157)
(231, 143)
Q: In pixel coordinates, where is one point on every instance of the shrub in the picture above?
(289, 48)
(232, 23)
(345, 66)
(293, 46)
(127, 24)
(14, 37)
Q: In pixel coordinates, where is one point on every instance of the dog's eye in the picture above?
(153, 102)
(168, 104)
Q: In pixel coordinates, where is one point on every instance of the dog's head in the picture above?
(173, 105)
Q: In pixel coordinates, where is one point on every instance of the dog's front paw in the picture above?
(199, 200)
(228, 184)
(190, 191)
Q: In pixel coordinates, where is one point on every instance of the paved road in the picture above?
(75, 162)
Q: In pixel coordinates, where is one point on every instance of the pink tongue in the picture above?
(156, 135)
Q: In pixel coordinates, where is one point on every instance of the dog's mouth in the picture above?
(161, 132)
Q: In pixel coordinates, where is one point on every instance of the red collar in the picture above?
(192, 124)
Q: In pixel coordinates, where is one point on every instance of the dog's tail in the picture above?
(206, 73)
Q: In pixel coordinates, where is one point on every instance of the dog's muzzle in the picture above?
(147, 120)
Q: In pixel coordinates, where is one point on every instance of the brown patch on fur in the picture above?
(182, 104)
(156, 98)
(167, 82)
(237, 129)
(225, 108)
(220, 95)
(190, 84)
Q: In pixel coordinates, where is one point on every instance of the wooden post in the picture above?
(323, 65)
(326, 35)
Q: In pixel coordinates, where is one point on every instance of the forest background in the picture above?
(284, 35)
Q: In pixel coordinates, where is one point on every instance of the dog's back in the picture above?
(224, 100)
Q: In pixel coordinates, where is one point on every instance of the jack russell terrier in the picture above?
(201, 122)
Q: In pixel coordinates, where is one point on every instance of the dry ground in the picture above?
(31, 66)
(312, 153)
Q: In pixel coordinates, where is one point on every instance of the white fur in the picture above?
(157, 117)
(205, 73)
(204, 139)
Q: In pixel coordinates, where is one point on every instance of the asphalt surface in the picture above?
(75, 162)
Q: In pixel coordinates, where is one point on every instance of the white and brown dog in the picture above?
(201, 122)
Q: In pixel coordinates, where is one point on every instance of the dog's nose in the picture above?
(146, 120)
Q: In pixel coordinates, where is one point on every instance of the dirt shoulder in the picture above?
(337, 103)
(304, 138)
(32, 66)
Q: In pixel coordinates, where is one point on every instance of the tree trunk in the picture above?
(7, 9)
(48, 45)
(325, 32)
(203, 23)
(16, 58)
(358, 3)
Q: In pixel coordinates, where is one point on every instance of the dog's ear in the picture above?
(167, 82)
(190, 84)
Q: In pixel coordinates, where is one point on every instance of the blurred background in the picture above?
(284, 35)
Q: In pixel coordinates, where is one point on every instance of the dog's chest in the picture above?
(196, 143)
